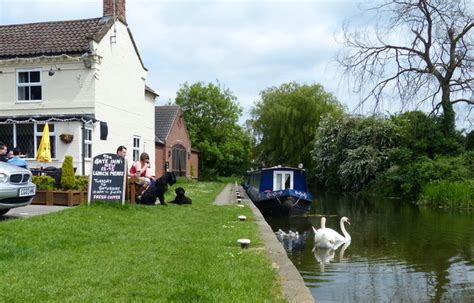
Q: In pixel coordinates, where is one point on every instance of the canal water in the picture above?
(399, 252)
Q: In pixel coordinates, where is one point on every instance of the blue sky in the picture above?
(248, 45)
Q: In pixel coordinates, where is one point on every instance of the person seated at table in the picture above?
(141, 170)
(3, 152)
(16, 160)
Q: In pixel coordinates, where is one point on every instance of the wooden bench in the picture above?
(132, 189)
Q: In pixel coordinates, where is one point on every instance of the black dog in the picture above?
(157, 189)
(181, 198)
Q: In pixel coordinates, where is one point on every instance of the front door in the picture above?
(179, 160)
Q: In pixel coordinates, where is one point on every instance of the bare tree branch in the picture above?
(422, 51)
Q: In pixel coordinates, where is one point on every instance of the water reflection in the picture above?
(398, 252)
(325, 255)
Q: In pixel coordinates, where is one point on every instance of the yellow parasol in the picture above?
(44, 150)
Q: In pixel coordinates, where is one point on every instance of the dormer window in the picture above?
(28, 82)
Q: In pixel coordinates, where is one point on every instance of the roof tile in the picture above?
(50, 38)
(164, 118)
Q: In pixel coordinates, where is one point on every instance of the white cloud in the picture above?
(248, 45)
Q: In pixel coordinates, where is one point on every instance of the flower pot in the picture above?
(68, 197)
(44, 197)
(66, 138)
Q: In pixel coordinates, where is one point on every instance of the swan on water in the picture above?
(328, 237)
(337, 236)
(322, 238)
(290, 234)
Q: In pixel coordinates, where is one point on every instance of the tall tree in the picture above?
(420, 50)
(211, 113)
(285, 120)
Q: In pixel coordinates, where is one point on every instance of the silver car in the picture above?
(16, 188)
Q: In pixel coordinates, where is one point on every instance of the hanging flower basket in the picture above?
(66, 138)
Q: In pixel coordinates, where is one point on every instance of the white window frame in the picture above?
(29, 84)
(88, 141)
(136, 148)
(282, 174)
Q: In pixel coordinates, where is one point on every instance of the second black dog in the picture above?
(157, 189)
(181, 198)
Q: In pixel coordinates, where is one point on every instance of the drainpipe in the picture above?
(83, 156)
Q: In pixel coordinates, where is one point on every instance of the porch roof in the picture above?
(48, 118)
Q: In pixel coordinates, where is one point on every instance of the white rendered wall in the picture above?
(69, 91)
(120, 97)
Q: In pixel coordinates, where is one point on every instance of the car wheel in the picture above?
(3, 211)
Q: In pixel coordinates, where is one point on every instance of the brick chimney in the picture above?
(119, 9)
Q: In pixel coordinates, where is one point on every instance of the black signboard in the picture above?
(107, 179)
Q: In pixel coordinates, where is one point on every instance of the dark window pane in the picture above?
(135, 155)
(88, 135)
(40, 127)
(88, 152)
(6, 135)
(35, 77)
(36, 93)
(23, 77)
(23, 93)
(24, 139)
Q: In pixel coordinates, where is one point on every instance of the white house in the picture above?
(83, 77)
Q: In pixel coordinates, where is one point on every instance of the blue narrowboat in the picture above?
(279, 190)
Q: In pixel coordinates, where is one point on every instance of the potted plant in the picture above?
(66, 138)
(69, 194)
(44, 190)
(72, 190)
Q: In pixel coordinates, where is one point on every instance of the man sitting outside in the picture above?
(16, 160)
(3, 152)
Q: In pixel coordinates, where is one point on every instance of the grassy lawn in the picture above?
(137, 253)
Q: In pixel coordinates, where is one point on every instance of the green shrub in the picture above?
(469, 141)
(68, 180)
(191, 170)
(82, 182)
(448, 194)
(359, 167)
(349, 151)
(400, 156)
(424, 135)
(209, 175)
(43, 182)
(408, 180)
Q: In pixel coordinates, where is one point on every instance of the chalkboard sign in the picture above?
(107, 179)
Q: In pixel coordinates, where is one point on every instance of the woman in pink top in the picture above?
(140, 168)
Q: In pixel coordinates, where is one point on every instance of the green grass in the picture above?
(448, 194)
(107, 252)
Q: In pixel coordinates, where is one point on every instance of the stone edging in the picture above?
(292, 283)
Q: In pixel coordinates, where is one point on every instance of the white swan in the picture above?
(289, 235)
(323, 238)
(331, 233)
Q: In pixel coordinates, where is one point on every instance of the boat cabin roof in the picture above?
(277, 168)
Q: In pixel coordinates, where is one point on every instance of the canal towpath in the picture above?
(294, 289)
